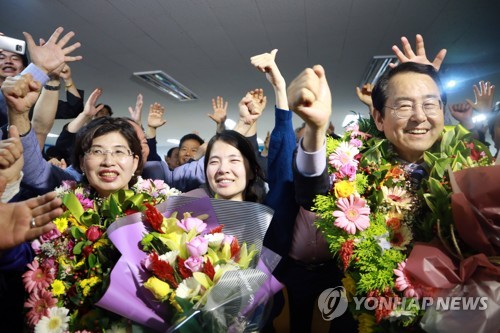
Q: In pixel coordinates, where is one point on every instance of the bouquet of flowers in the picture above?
(376, 210)
(73, 262)
(186, 265)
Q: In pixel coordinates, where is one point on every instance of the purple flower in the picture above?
(348, 170)
(355, 143)
(194, 264)
(197, 247)
(86, 202)
(189, 223)
(36, 245)
(52, 234)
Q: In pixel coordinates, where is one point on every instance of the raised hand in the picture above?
(484, 97)
(136, 113)
(463, 113)
(90, 108)
(21, 93)
(310, 98)
(252, 105)
(266, 63)
(365, 95)
(15, 218)
(51, 56)
(420, 57)
(155, 115)
(220, 110)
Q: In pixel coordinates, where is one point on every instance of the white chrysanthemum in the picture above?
(56, 321)
(169, 257)
(188, 289)
(397, 197)
(214, 240)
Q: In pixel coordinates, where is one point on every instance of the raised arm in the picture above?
(484, 95)
(155, 119)
(219, 114)
(419, 56)
(365, 96)
(266, 63)
(51, 56)
(136, 112)
(310, 98)
(40, 176)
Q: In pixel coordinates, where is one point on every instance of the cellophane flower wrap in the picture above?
(73, 262)
(378, 208)
(193, 265)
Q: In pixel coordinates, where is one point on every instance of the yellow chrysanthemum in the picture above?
(160, 289)
(344, 188)
(101, 242)
(366, 323)
(87, 284)
(58, 287)
(349, 286)
(61, 224)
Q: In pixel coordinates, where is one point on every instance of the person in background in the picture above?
(188, 146)
(172, 158)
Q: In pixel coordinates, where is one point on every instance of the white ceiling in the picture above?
(206, 45)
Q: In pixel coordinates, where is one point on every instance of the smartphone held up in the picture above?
(12, 44)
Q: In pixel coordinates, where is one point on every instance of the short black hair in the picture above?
(379, 93)
(171, 151)
(191, 136)
(102, 126)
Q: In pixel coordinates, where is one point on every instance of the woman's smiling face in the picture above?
(111, 171)
(227, 171)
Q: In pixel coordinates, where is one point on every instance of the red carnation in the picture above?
(208, 269)
(183, 270)
(216, 229)
(235, 247)
(154, 217)
(163, 271)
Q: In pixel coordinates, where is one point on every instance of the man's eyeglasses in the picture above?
(116, 153)
(405, 109)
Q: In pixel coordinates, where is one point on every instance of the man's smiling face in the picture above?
(413, 136)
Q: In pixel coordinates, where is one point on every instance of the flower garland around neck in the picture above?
(73, 262)
(377, 207)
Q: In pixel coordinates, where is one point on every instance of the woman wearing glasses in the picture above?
(108, 153)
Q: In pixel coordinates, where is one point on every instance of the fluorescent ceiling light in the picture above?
(167, 84)
(377, 67)
(174, 141)
(52, 135)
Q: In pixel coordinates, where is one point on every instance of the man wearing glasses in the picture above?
(408, 103)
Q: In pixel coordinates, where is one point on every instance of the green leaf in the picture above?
(77, 233)
(78, 247)
(73, 204)
(92, 260)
